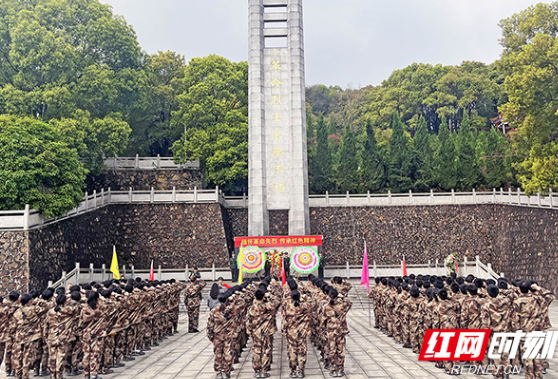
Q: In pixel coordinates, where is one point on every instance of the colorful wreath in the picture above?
(251, 259)
(305, 260)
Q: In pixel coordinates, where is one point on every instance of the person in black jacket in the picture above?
(234, 268)
(287, 264)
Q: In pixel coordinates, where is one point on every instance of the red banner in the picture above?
(278, 241)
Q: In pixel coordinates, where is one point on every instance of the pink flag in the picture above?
(365, 278)
(151, 272)
(404, 266)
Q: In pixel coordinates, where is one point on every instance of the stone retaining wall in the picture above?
(14, 267)
(143, 180)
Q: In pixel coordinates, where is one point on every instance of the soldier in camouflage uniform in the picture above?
(335, 314)
(91, 325)
(260, 326)
(219, 328)
(446, 314)
(296, 329)
(25, 320)
(412, 318)
(57, 334)
(7, 337)
(192, 301)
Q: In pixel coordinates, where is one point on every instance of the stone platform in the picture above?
(370, 354)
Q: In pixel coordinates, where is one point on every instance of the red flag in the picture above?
(280, 267)
(273, 263)
(151, 272)
(283, 280)
(404, 266)
(365, 277)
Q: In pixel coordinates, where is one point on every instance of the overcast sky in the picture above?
(351, 43)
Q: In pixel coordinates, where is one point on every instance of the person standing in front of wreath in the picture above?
(193, 300)
(322, 265)
(234, 268)
(287, 264)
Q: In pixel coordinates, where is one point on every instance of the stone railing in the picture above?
(405, 199)
(29, 218)
(81, 275)
(149, 163)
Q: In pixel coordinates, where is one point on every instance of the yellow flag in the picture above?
(240, 267)
(114, 265)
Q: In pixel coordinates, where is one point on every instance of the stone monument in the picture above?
(277, 155)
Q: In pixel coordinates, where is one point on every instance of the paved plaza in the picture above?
(370, 354)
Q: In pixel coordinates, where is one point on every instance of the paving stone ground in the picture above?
(370, 354)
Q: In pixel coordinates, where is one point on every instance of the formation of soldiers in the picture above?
(405, 307)
(92, 328)
(313, 309)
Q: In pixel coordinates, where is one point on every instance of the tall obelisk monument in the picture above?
(277, 155)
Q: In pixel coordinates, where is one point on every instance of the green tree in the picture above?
(372, 170)
(447, 160)
(423, 159)
(213, 107)
(530, 59)
(399, 165)
(38, 168)
(321, 163)
(347, 170)
(468, 171)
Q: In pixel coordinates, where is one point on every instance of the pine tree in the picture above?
(423, 158)
(309, 125)
(446, 158)
(347, 173)
(321, 164)
(372, 170)
(498, 169)
(468, 170)
(399, 169)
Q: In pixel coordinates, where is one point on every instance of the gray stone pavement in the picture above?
(370, 354)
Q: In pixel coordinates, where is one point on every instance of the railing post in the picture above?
(195, 194)
(152, 195)
(327, 198)
(437, 267)
(528, 201)
(489, 265)
(348, 271)
(102, 196)
(94, 199)
(493, 195)
(389, 197)
(137, 162)
(375, 270)
(213, 277)
(186, 271)
(550, 197)
(348, 199)
(432, 197)
(452, 196)
(464, 267)
(133, 272)
(158, 161)
(130, 195)
(91, 272)
(86, 200)
(510, 194)
(217, 194)
(477, 264)
(411, 197)
(159, 273)
(123, 271)
(174, 194)
(103, 272)
(519, 196)
(368, 198)
(78, 269)
(109, 196)
(244, 199)
(64, 279)
(474, 196)
(539, 199)
(26, 217)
